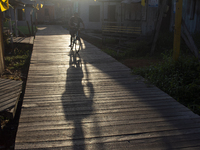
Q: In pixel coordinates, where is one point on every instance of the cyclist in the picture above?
(74, 24)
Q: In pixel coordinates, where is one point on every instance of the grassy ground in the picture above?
(17, 63)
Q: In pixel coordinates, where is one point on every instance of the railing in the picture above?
(121, 30)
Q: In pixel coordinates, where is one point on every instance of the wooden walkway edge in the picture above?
(10, 91)
(89, 101)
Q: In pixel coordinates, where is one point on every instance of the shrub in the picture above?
(138, 49)
(19, 60)
(180, 79)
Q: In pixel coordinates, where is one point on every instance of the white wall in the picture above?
(84, 14)
(27, 16)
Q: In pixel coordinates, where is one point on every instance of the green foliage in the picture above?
(138, 49)
(5, 40)
(180, 79)
(111, 41)
(165, 41)
(114, 54)
(19, 60)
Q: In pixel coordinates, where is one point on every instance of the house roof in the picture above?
(16, 3)
(30, 3)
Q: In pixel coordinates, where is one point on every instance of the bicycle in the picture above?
(75, 60)
(76, 42)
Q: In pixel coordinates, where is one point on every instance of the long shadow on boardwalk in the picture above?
(110, 110)
(142, 110)
(76, 104)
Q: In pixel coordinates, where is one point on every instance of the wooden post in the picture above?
(35, 13)
(177, 29)
(11, 31)
(32, 24)
(158, 25)
(15, 12)
(28, 28)
(102, 26)
(1, 46)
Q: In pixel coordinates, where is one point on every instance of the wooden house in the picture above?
(128, 18)
(19, 14)
(46, 14)
(190, 15)
(91, 13)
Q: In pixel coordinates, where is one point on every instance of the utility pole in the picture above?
(177, 29)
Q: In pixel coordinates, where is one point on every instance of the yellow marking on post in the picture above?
(4, 4)
(177, 29)
(143, 2)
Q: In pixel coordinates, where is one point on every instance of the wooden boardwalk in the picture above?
(24, 40)
(92, 102)
(10, 91)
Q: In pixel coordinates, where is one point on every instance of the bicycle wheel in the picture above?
(78, 60)
(72, 45)
(77, 45)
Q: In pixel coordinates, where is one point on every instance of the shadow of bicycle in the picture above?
(77, 102)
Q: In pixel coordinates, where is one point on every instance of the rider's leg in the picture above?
(71, 38)
(79, 36)
(71, 41)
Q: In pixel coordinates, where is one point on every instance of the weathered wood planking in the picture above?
(10, 91)
(25, 40)
(96, 104)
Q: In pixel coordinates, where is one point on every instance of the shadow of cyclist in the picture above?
(77, 104)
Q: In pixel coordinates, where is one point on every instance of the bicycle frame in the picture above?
(75, 41)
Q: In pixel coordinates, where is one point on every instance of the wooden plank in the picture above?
(177, 29)
(9, 93)
(153, 131)
(119, 142)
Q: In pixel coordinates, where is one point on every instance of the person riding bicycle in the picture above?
(74, 24)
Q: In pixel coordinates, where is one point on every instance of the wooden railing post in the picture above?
(28, 28)
(1, 46)
(158, 25)
(177, 29)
